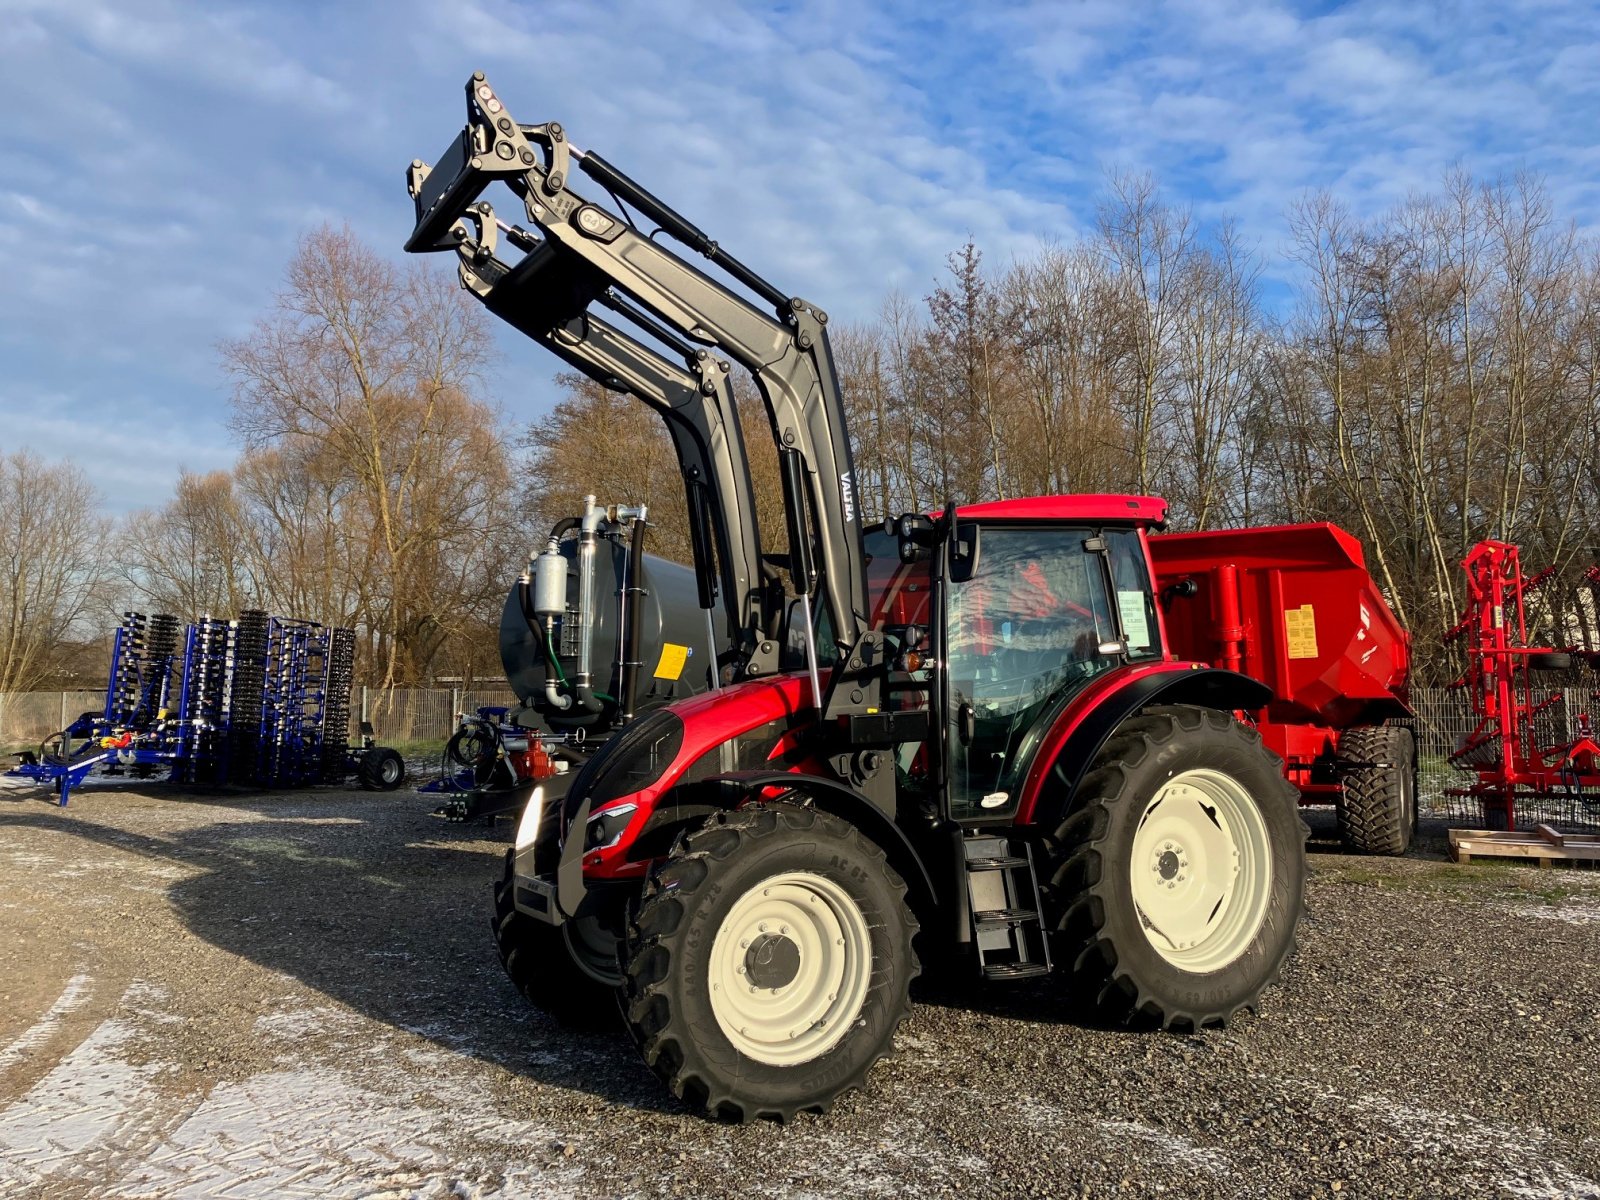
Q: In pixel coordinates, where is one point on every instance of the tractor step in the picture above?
(999, 918)
(1003, 905)
(1007, 972)
(995, 864)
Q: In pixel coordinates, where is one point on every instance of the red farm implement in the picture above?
(1529, 747)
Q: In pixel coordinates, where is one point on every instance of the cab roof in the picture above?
(1092, 507)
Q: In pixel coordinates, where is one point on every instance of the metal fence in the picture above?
(399, 716)
(415, 717)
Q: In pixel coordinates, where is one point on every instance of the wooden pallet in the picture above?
(1542, 843)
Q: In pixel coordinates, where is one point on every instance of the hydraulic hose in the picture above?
(552, 667)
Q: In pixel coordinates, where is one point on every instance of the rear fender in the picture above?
(1080, 731)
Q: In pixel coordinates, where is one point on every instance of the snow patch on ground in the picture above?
(1570, 912)
(72, 997)
(1178, 1150)
(401, 1123)
(88, 1110)
(1522, 1166)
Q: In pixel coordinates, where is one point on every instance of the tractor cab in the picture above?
(1002, 620)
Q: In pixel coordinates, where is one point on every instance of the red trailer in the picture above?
(1294, 607)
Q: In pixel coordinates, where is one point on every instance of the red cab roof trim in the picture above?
(1142, 510)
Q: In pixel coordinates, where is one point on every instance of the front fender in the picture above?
(842, 800)
(1089, 721)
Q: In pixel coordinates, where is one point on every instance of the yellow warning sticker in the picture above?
(1301, 627)
(673, 656)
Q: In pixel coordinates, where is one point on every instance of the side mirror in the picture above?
(965, 543)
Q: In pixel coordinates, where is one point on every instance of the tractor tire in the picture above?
(381, 769)
(542, 967)
(1377, 806)
(801, 903)
(1140, 933)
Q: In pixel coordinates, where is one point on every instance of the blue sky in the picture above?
(161, 159)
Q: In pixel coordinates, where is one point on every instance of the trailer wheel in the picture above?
(1377, 806)
(1178, 875)
(543, 966)
(381, 769)
(769, 963)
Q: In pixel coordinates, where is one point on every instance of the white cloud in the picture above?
(842, 147)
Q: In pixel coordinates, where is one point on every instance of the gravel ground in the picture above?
(270, 995)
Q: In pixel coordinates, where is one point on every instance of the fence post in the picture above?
(63, 724)
(455, 703)
(364, 716)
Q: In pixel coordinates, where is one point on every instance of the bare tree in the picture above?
(52, 564)
(364, 374)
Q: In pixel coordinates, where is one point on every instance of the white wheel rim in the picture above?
(804, 933)
(1202, 870)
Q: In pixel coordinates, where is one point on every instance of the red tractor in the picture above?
(962, 738)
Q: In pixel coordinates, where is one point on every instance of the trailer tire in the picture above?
(541, 966)
(381, 769)
(1377, 805)
(1141, 934)
(801, 902)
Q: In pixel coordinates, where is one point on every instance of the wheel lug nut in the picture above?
(762, 927)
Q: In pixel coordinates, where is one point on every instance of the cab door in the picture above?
(1033, 624)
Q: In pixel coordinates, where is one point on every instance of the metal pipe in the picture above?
(711, 646)
(587, 543)
(634, 629)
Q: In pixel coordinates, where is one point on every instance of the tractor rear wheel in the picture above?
(1377, 806)
(1177, 877)
(769, 963)
(542, 962)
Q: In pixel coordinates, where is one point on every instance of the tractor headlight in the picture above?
(607, 826)
(532, 814)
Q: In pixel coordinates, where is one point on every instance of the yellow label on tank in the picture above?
(673, 656)
(1301, 626)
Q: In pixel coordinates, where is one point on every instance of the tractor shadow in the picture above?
(382, 912)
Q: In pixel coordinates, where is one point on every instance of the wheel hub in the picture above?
(1167, 864)
(772, 961)
(790, 967)
(1202, 869)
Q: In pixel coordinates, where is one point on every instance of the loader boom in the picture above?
(584, 254)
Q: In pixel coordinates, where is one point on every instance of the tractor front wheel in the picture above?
(769, 962)
(1178, 875)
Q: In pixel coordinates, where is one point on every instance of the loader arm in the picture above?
(581, 253)
(695, 401)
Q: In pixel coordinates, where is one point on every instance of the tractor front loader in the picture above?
(982, 753)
